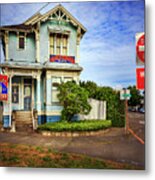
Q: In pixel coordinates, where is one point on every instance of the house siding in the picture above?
(25, 55)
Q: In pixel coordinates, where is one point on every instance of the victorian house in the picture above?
(39, 55)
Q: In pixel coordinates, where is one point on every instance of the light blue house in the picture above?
(39, 55)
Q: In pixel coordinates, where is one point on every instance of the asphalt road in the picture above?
(137, 123)
(114, 145)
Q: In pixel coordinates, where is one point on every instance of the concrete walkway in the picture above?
(114, 145)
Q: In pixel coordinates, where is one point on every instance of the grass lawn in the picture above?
(12, 155)
(89, 125)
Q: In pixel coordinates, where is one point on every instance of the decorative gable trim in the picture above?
(59, 13)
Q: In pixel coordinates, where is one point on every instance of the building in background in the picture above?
(39, 55)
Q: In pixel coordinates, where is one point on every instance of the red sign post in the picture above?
(140, 48)
(3, 87)
(140, 75)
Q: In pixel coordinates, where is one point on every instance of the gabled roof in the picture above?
(28, 24)
(41, 18)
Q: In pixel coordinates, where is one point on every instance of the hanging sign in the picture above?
(140, 76)
(3, 87)
(140, 49)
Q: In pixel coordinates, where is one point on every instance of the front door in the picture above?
(27, 95)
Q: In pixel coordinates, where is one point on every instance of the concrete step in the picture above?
(20, 116)
(20, 112)
(23, 123)
(24, 119)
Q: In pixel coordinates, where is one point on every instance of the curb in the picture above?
(73, 134)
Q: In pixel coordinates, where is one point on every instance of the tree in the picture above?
(90, 86)
(135, 96)
(74, 100)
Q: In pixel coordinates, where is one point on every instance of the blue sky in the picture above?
(108, 48)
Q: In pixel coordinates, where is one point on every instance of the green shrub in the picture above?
(86, 125)
(115, 107)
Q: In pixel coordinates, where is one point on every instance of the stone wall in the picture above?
(97, 112)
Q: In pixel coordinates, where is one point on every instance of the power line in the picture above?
(42, 7)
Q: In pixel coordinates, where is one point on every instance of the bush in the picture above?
(86, 125)
(115, 107)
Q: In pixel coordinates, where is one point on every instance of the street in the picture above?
(115, 145)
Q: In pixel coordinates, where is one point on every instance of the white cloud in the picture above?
(108, 47)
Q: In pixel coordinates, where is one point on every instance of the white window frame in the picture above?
(61, 43)
(18, 37)
(69, 79)
(55, 89)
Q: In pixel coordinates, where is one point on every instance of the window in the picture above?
(66, 79)
(64, 43)
(15, 94)
(55, 83)
(58, 44)
(21, 42)
(52, 44)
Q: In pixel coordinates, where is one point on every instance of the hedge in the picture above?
(86, 125)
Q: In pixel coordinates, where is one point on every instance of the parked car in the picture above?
(142, 110)
(132, 109)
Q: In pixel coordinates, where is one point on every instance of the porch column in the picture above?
(38, 93)
(6, 40)
(48, 91)
(32, 93)
(37, 38)
(78, 45)
(10, 99)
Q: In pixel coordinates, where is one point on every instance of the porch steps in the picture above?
(23, 121)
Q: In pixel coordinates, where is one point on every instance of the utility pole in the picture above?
(125, 95)
(126, 117)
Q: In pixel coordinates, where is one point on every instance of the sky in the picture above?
(107, 50)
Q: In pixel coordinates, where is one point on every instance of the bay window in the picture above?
(55, 83)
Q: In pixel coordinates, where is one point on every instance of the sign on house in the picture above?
(140, 76)
(62, 59)
(140, 49)
(3, 87)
